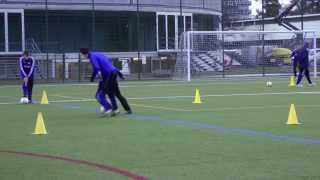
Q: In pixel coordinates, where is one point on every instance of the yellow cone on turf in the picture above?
(292, 82)
(292, 118)
(197, 97)
(40, 128)
(44, 99)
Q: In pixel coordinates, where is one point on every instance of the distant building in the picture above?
(235, 10)
(70, 24)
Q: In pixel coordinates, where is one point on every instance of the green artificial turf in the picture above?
(238, 132)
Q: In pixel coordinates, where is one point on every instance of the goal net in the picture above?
(212, 54)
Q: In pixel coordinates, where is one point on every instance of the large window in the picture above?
(111, 32)
(205, 22)
(14, 32)
(162, 39)
(171, 32)
(170, 26)
(2, 33)
(11, 31)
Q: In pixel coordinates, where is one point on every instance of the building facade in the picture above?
(110, 26)
(237, 9)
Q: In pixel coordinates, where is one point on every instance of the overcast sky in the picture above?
(257, 5)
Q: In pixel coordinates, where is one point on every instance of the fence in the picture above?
(242, 53)
(69, 67)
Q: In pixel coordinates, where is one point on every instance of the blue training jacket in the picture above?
(301, 55)
(101, 63)
(27, 66)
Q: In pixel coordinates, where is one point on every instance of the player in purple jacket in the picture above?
(27, 67)
(108, 85)
(302, 56)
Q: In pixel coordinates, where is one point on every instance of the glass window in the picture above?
(180, 27)
(162, 31)
(14, 32)
(188, 23)
(171, 32)
(2, 33)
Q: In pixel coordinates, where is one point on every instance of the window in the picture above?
(170, 27)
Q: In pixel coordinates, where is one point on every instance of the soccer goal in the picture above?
(212, 54)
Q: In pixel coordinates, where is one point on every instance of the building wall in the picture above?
(311, 23)
(192, 6)
(114, 31)
(237, 9)
(113, 28)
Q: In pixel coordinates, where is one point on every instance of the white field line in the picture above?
(76, 99)
(194, 110)
(158, 83)
(229, 95)
(70, 97)
(223, 109)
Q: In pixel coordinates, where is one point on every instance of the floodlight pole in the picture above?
(138, 39)
(302, 13)
(47, 37)
(181, 42)
(263, 43)
(189, 55)
(302, 3)
(314, 55)
(180, 8)
(93, 25)
(222, 44)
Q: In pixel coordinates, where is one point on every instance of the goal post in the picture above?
(212, 54)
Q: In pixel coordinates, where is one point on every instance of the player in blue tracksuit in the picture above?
(294, 62)
(108, 85)
(27, 67)
(101, 64)
(302, 57)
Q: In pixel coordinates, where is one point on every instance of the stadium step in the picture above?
(9, 67)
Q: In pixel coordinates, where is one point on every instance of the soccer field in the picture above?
(238, 132)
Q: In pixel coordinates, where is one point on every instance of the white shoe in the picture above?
(107, 113)
(115, 112)
(312, 84)
(299, 85)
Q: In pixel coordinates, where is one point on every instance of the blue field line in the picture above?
(196, 125)
(218, 128)
(73, 106)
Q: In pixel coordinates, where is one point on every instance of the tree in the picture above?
(309, 7)
(272, 8)
(313, 7)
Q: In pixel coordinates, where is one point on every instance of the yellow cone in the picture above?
(292, 82)
(44, 99)
(292, 118)
(197, 97)
(40, 128)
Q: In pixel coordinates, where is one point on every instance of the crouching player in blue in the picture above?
(108, 84)
(294, 62)
(302, 57)
(27, 66)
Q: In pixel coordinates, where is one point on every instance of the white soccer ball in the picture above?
(24, 100)
(269, 84)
